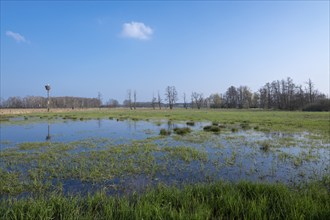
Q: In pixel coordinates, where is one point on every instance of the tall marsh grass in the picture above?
(220, 200)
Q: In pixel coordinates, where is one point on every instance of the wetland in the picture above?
(122, 153)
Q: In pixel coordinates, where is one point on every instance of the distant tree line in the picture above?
(55, 102)
(280, 94)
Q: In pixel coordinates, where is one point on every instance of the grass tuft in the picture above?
(190, 123)
(212, 128)
(164, 132)
(182, 131)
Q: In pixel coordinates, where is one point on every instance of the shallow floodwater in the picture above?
(126, 156)
(72, 130)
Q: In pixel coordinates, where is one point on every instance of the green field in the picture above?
(32, 173)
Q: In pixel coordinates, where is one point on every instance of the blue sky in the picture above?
(82, 48)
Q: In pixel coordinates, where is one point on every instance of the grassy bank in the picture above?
(208, 201)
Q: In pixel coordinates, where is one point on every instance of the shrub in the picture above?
(319, 106)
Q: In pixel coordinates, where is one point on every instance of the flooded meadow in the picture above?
(125, 155)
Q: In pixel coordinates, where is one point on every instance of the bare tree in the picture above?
(134, 97)
(129, 98)
(197, 99)
(171, 96)
(255, 103)
(185, 105)
(310, 90)
(99, 98)
(112, 103)
(159, 100)
(153, 101)
(244, 97)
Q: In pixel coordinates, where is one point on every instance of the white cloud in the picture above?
(137, 30)
(17, 37)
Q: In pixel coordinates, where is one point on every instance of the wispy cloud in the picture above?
(17, 37)
(137, 30)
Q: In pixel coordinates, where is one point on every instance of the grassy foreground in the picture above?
(207, 201)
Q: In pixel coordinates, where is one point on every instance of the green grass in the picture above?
(219, 200)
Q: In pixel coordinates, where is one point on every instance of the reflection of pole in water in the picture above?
(170, 125)
(131, 125)
(134, 124)
(48, 137)
(99, 122)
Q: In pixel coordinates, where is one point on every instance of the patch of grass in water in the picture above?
(245, 125)
(265, 146)
(182, 131)
(212, 128)
(33, 145)
(190, 123)
(164, 132)
(5, 117)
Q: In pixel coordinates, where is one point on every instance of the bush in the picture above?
(319, 106)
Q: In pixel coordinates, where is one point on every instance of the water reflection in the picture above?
(131, 125)
(48, 137)
(99, 122)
